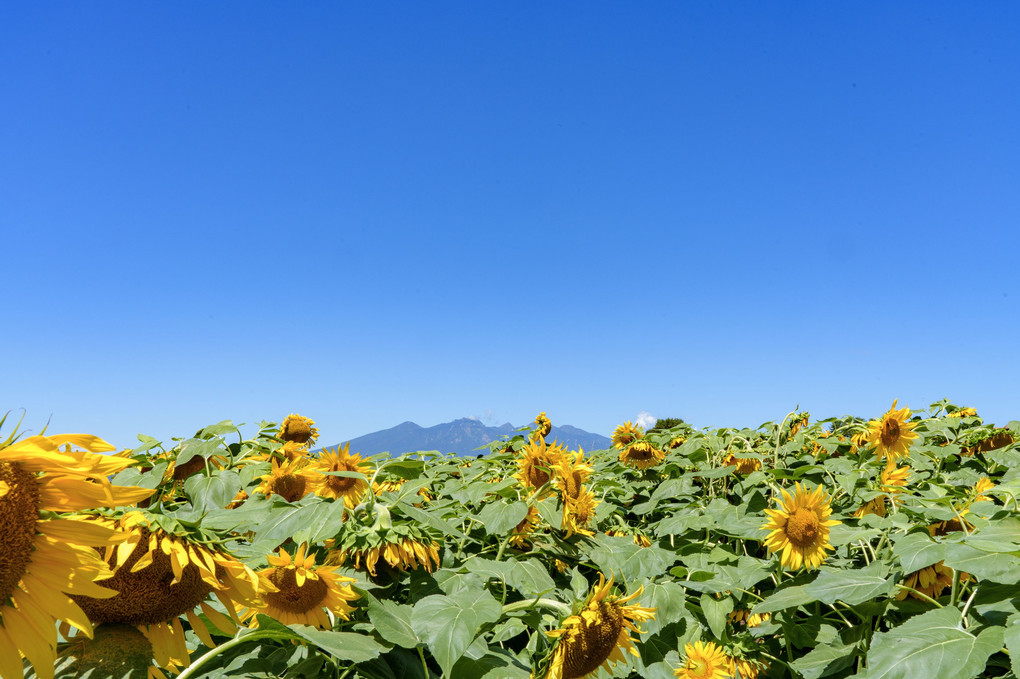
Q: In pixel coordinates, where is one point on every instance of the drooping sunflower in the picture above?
(597, 635)
(300, 430)
(44, 559)
(159, 576)
(676, 442)
(744, 465)
(704, 660)
(929, 581)
(402, 553)
(291, 480)
(963, 412)
(120, 651)
(626, 434)
(982, 486)
(893, 480)
(521, 537)
(543, 425)
(744, 668)
(537, 462)
(639, 539)
(742, 615)
(347, 488)
(304, 591)
(892, 435)
(799, 530)
(641, 454)
(579, 512)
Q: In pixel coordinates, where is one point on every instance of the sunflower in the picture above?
(349, 489)
(543, 425)
(304, 592)
(597, 635)
(704, 660)
(626, 434)
(44, 559)
(159, 576)
(298, 429)
(982, 486)
(521, 537)
(929, 581)
(745, 616)
(742, 668)
(893, 480)
(402, 553)
(291, 480)
(537, 462)
(639, 539)
(799, 423)
(676, 442)
(115, 651)
(800, 529)
(744, 465)
(579, 512)
(641, 455)
(963, 412)
(892, 435)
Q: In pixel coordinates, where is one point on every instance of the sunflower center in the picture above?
(341, 484)
(699, 667)
(639, 453)
(147, 596)
(298, 431)
(292, 597)
(537, 476)
(114, 651)
(802, 527)
(290, 487)
(19, 510)
(595, 640)
(890, 432)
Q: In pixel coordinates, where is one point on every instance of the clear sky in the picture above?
(376, 212)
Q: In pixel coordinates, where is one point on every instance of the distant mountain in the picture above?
(462, 437)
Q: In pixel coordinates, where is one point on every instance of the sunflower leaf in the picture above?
(449, 624)
(500, 517)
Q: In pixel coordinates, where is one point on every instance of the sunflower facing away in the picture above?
(298, 429)
(543, 425)
(159, 576)
(892, 435)
(598, 634)
(641, 455)
(347, 488)
(799, 530)
(42, 559)
(626, 434)
(304, 592)
(704, 660)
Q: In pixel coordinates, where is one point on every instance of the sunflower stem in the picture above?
(558, 606)
(920, 594)
(192, 670)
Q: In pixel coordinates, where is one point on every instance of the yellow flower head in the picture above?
(744, 465)
(537, 462)
(799, 530)
(892, 435)
(350, 489)
(704, 660)
(641, 455)
(597, 635)
(298, 429)
(626, 434)
(543, 425)
(44, 559)
(291, 480)
(304, 592)
(521, 538)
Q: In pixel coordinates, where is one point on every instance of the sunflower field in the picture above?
(877, 548)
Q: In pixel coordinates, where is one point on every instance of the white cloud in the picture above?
(645, 419)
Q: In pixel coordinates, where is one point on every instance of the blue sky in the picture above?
(376, 212)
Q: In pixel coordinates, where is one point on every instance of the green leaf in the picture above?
(933, 645)
(825, 659)
(987, 566)
(530, 578)
(449, 624)
(500, 517)
(669, 600)
(498, 570)
(715, 611)
(430, 519)
(627, 561)
(1012, 641)
(204, 448)
(852, 586)
(917, 550)
(344, 645)
(212, 492)
(391, 620)
(781, 599)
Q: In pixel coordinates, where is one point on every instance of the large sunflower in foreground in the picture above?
(704, 660)
(892, 435)
(43, 559)
(598, 634)
(347, 488)
(159, 576)
(304, 592)
(799, 530)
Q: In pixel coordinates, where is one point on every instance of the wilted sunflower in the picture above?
(159, 576)
(536, 463)
(704, 660)
(521, 536)
(543, 425)
(347, 488)
(800, 528)
(744, 465)
(304, 592)
(626, 434)
(579, 512)
(639, 539)
(892, 435)
(742, 668)
(982, 486)
(745, 616)
(676, 442)
(402, 553)
(43, 559)
(291, 480)
(893, 480)
(929, 581)
(598, 634)
(298, 429)
(641, 455)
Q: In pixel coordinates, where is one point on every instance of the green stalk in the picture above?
(563, 609)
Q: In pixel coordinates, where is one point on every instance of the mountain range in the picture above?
(463, 437)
